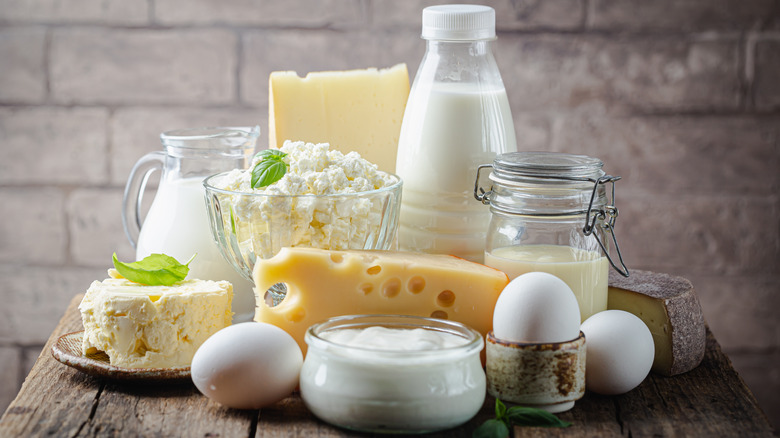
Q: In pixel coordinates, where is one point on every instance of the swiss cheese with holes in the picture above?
(322, 284)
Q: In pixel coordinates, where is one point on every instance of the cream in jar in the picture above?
(585, 272)
(393, 374)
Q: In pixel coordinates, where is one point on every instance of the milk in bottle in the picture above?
(457, 118)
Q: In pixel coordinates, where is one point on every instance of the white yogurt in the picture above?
(393, 373)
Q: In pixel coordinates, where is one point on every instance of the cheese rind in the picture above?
(669, 307)
(141, 326)
(354, 110)
(323, 283)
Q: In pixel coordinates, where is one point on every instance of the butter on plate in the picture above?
(140, 326)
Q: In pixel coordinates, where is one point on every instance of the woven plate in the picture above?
(67, 350)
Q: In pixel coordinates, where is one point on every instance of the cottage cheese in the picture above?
(282, 217)
(141, 326)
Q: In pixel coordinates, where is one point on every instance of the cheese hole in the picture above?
(366, 288)
(446, 298)
(439, 314)
(374, 270)
(391, 287)
(296, 315)
(275, 294)
(337, 258)
(416, 285)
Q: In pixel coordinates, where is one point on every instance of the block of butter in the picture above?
(354, 110)
(669, 307)
(322, 284)
(141, 326)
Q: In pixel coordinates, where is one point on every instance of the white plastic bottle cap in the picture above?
(459, 22)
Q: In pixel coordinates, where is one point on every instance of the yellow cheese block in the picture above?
(669, 307)
(322, 284)
(355, 110)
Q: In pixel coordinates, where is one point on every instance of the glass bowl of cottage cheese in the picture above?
(325, 199)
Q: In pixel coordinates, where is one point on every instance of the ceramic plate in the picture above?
(67, 350)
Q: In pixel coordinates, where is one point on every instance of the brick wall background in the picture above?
(679, 97)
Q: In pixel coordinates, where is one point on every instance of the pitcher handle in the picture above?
(134, 192)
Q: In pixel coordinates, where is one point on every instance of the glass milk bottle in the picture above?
(550, 212)
(177, 223)
(456, 118)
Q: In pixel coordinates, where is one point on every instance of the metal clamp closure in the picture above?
(606, 217)
(479, 194)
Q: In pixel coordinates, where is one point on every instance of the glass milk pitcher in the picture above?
(177, 223)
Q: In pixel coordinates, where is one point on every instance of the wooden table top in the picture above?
(56, 400)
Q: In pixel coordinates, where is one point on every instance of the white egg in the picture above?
(247, 365)
(536, 307)
(619, 352)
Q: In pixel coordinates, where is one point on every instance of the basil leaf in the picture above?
(269, 169)
(500, 410)
(491, 429)
(154, 270)
(525, 416)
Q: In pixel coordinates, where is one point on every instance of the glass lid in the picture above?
(546, 164)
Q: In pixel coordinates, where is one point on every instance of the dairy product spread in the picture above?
(322, 284)
(358, 110)
(405, 374)
(329, 221)
(585, 272)
(141, 326)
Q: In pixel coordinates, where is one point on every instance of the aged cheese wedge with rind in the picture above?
(323, 283)
(669, 307)
(353, 110)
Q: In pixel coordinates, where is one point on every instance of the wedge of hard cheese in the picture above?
(355, 110)
(669, 307)
(322, 284)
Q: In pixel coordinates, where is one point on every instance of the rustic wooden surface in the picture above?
(56, 400)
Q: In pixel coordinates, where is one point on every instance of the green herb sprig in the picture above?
(154, 270)
(501, 426)
(270, 169)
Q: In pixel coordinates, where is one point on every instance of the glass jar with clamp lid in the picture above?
(550, 212)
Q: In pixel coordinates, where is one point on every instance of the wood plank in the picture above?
(711, 400)
(55, 400)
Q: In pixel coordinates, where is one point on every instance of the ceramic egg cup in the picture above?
(549, 376)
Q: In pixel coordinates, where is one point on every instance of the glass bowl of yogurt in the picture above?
(393, 373)
(326, 199)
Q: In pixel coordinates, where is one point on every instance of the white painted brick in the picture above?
(22, 75)
(680, 154)
(741, 311)
(76, 11)
(35, 298)
(95, 225)
(302, 51)
(136, 131)
(299, 13)
(96, 65)
(10, 363)
(533, 131)
(766, 88)
(619, 74)
(33, 226)
(394, 47)
(53, 145)
(510, 15)
(703, 234)
(30, 356)
(681, 15)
